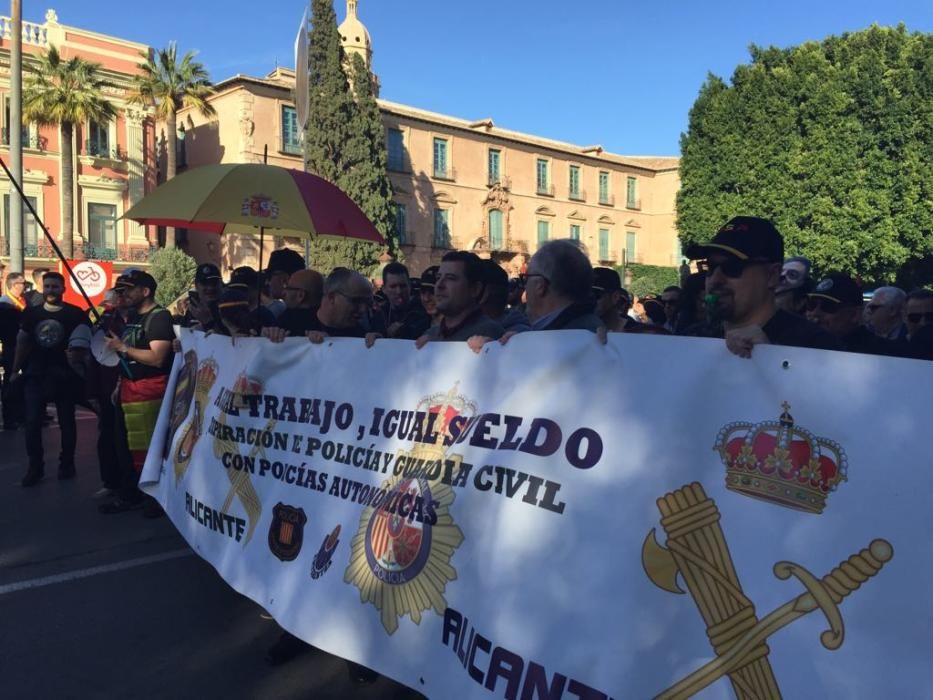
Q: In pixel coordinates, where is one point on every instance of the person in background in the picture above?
(496, 300)
(35, 297)
(51, 352)
(283, 263)
(794, 286)
(402, 316)
(670, 301)
(248, 280)
(835, 305)
(691, 316)
(428, 282)
(201, 313)
(303, 294)
(918, 312)
(516, 294)
(12, 305)
(886, 313)
(611, 300)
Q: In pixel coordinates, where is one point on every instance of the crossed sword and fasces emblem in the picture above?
(697, 550)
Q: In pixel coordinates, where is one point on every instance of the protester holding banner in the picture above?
(460, 290)
(303, 293)
(401, 316)
(559, 287)
(51, 350)
(743, 267)
(146, 346)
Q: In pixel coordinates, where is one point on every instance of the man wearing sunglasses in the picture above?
(744, 261)
(885, 313)
(835, 305)
(919, 311)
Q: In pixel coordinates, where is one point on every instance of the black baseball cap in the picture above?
(840, 288)
(429, 277)
(605, 279)
(135, 278)
(745, 237)
(244, 275)
(207, 272)
(233, 295)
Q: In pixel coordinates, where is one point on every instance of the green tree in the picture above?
(648, 279)
(345, 141)
(168, 85)
(65, 92)
(832, 140)
(173, 270)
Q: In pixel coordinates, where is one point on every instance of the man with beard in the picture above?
(403, 317)
(744, 262)
(51, 350)
(146, 348)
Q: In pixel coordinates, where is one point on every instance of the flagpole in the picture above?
(15, 129)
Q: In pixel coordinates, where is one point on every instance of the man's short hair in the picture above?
(13, 277)
(49, 275)
(672, 288)
(394, 268)
(919, 294)
(497, 283)
(39, 272)
(473, 268)
(567, 269)
(891, 296)
(340, 277)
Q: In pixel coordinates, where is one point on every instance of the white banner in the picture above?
(562, 519)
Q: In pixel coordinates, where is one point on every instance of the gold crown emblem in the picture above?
(780, 462)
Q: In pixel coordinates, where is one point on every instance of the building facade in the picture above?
(114, 163)
(458, 184)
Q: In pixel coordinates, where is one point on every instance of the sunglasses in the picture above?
(731, 267)
(926, 316)
(825, 305)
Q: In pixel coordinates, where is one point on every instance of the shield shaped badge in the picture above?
(286, 533)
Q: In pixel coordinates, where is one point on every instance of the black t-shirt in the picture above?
(298, 320)
(155, 324)
(864, 341)
(50, 332)
(786, 328)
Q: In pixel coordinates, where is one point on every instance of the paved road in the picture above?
(117, 606)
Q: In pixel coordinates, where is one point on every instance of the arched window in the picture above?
(496, 240)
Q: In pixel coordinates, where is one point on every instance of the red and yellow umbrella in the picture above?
(244, 197)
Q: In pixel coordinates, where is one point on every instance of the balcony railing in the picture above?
(607, 200)
(447, 173)
(33, 33)
(577, 195)
(103, 150)
(633, 203)
(30, 140)
(545, 190)
(503, 181)
(86, 251)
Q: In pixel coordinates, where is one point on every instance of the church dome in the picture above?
(353, 33)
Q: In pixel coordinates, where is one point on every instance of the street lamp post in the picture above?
(15, 130)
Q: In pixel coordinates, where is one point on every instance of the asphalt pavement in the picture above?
(118, 606)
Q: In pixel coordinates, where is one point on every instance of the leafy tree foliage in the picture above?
(831, 140)
(65, 92)
(173, 270)
(648, 279)
(168, 85)
(345, 141)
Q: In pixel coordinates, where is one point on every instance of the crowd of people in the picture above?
(743, 290)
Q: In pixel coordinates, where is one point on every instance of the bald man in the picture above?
(303, 292)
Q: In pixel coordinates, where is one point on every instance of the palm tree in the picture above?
(65, 92)
(168, 86)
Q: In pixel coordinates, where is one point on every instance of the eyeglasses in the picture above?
(731, 267)
(825, 305)
(926, 317)
(357, 301)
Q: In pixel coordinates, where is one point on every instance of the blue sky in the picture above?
(620, 74)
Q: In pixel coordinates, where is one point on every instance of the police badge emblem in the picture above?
(322, 559)
(286, 533)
